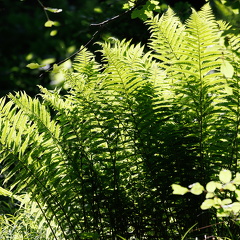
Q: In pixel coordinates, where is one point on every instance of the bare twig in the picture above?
(101, 26)
(44, 8)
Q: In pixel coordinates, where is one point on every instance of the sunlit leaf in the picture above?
(219, 185)
(97, 10)
(56, 68)
(225, 176)
(237, 192)
(236, 180)
(208, 203)
(226, 201)
(179, 190)
(211, 186)
(196, 188)
(35, 65)
(229, 90)
(210, 195)
(230, 187)
(53, 33)
(49, 23)
(235, 207)
(227, 69)
(5, 192)
(224, 213)
(53, 10)
(217, 202)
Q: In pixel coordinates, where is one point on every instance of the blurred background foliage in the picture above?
(25, 39)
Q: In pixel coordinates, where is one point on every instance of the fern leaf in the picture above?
(167, 36)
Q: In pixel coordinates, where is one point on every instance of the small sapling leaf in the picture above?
(35, 65)
(237, 192)
(179, 190)
(227, 69)
(210, 195)
(230, 187)
(217, 202)
(225, 176)
(226, 201)
(53, 33)
(49, 23)
(211, 186)
(53, 10)
(196, 188)
(235, 207)
(236, 180)
(56, 68)
(208, 203)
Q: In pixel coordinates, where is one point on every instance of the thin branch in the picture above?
(115, 17)
(101, 26)
(44, 9)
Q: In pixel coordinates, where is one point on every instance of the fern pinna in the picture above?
(100, 159)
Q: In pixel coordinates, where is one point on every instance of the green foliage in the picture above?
(219, 194)
(145, 10)
(227, 10)
(100, 159)
(26, 223)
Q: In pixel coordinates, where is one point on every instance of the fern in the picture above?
(100, 160)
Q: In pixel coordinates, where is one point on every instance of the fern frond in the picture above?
(101, 157)
(120, 67)
(167, 33)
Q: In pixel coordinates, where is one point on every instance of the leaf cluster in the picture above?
(219, 194)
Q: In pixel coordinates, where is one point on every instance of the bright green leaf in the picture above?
(34, 65)
(226, 201)
(219, 185)
(225, 213)
(49, 23)
(5, 192)
(48, 61)
(97, 10)
(196, 188)
(227, 69)
(56, 68)
(29, 56)
(217, 202)
(179, 190)
(225, 176)
(229, 90)
(211, 186)
(236, 180)
(230, 187)
(53, 10)
(56, 23)
(237, 194)
(208, 203)
(53, 33)
(235, 207)
(121, 237)
(210, 195)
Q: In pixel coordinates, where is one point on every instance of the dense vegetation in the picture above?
(99, 160)
(25, 39)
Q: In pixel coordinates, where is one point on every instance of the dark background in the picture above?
(25, 39)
